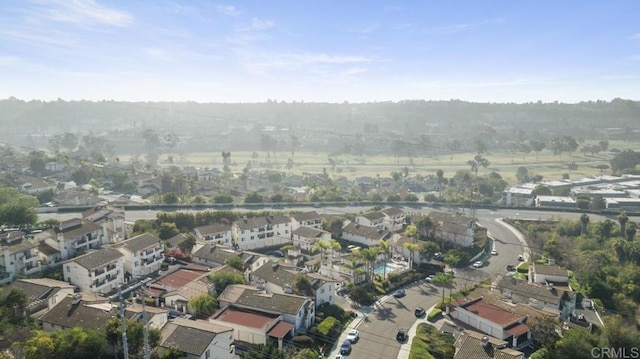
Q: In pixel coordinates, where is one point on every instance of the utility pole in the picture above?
(146, 329)
(123, 319)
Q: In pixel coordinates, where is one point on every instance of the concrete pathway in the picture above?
(405, 349)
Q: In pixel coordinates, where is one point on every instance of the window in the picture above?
(207, 354)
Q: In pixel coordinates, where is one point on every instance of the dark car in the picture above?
(399, 293)
(402, 335)
(277, 254)
(345, 348)
(511, 268)
(420, 312)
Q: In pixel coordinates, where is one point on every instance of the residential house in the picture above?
(552, 299)
(455, 229)
(369, 236)
(372, 219)
(70, 238)
(42, 293)
(520, 195)
(473, 345)
(99, 271)
(394, 219)
(307, 219)
(147, 185)
(198, 339)
(155, 317)
(253, 326)
(555, 202)
(18, 256)
(214, 255)
(218, 233)
(297, 310)
(143, 255)
(494, 321)
(260, 232)
(542, 273)
(73, 311)
(111, 219)
(34, 185)
(179, 298)
(344, 269)
(172, 283)
(305, 237)
(76, 197)
(175, 240)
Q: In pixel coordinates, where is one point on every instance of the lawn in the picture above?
(430, 343)
(505, 163)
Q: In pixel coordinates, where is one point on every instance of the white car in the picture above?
(520, 258)
(353, 336)
(430, 277)
(494, 252)
(338, 356)
(478, 264)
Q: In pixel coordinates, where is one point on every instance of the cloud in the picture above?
(258, 24)
(52, 38)
(455, 28)
(635, 36)
(228, 10)
(82, 12)
(364, 29)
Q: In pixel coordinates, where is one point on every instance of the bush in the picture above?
(164, 266)
(303, 341)
(523, 268)
(434, 315)
(331, 310)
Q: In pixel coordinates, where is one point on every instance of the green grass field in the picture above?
(506, 164)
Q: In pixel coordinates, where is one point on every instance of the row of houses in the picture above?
(618, 192)
(495, 322)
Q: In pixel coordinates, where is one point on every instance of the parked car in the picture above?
(420, 312)
(402, 335)
(338, 356)
(430, 277)
(478, 264)
(277, 254)
(494, 252)
(345, 348)
(399, 293)
(438, 256)
(511, 268)
(520, 258)
(353, 336)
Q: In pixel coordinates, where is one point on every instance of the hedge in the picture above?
(434, 314)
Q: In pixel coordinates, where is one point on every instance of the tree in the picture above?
(306, 353)
(253, 197)
(135, 336)
(223, 279)
(173, 353)
(575, 343)
(543, 330)
(522, 174)
(167, 230)
(204, 304)
(301, 285)
(223, 198)
(542, 190)
(235, 262)
(384, 249)
(170, 198)
(622, 220)
(412, 248)
(584, 222)
(631, 231)
(442, 280)
(427, 249)
(13, 307)
(333, 225)
(187, 244)
(320, 246)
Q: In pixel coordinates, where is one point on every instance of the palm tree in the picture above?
(383, 248)
(442, 280)
(369, 255)
(321, 246)
(631, 231)
(335, 246)
(412, 247)
(584, 221)
(623, 219)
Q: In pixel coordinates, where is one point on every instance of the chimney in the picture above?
(485, 341)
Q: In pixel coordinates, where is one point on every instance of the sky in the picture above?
(320, 51)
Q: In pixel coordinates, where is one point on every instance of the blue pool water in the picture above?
(379, 269)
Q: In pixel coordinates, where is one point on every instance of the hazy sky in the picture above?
(334, 51)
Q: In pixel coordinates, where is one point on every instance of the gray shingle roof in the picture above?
(271, 302)
(140, 242)
(308, 232)
(98, 258)
(67, 315)
(215, 253)
(550, 270)
(524, 289)
(364, 231)
(173, 241)
(75, 227)
(470, 347)
(257, 222)
(275, 273)
(392, 211)
(373, 215)
(188, 340)
(213, 228)
(306, 216)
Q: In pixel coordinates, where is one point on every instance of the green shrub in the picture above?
(434, 315)
(523, 268)
(303, 341)
(164, 266)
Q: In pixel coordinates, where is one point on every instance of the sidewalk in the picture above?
(405, 349)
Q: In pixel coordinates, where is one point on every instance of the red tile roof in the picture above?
(251, 319)
(280, 330)
(518, 329)
(178, 279)
(490, 312)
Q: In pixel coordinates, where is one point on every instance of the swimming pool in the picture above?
(380, 269)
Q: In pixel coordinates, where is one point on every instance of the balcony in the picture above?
(29, 270)
(98, 272)
(152, 260)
